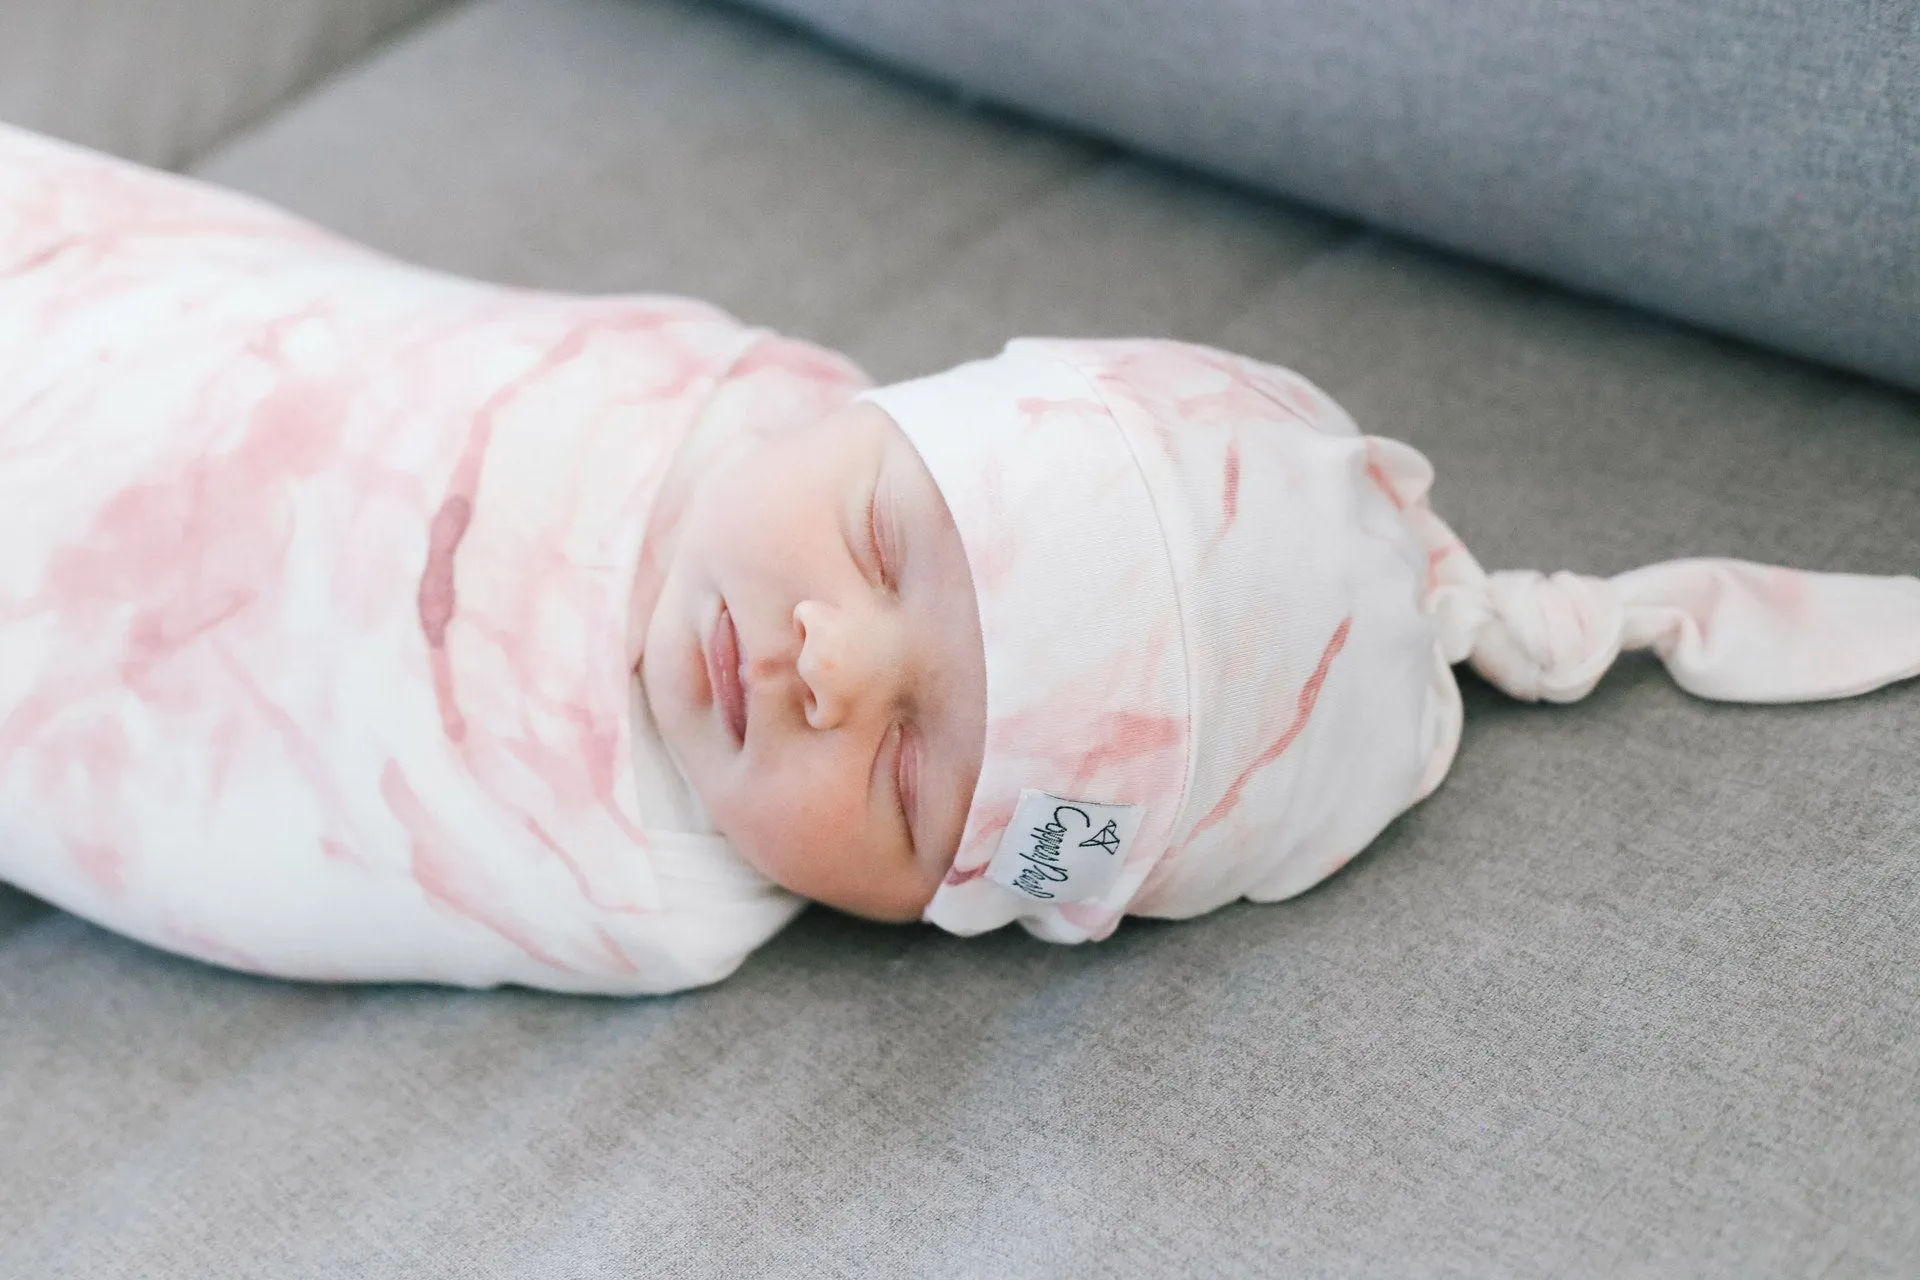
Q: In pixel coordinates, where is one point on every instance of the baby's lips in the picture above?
(723, 672)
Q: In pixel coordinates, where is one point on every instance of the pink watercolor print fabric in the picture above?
(315, 634)
(1221, 624)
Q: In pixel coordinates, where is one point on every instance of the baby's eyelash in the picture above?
(873, 535)
(902, 787)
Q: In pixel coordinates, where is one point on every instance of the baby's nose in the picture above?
(847, 660)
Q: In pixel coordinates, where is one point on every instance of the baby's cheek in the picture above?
(795, 831)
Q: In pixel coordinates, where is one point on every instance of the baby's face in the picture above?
(814, 662)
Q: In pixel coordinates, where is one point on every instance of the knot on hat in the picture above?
(1545, 636)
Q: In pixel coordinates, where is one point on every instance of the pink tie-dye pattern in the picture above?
(1038, 409)
(1230, 488)
(1302, 712)
(316, 619)
(445, 875)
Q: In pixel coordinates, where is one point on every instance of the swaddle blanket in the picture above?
(1220, 628)
(317, 579)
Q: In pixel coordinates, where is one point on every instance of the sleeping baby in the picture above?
(359, 623)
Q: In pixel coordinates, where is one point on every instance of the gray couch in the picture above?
(1753, 165)
(1637, 992)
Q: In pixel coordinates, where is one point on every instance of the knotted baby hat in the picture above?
(1220, 627)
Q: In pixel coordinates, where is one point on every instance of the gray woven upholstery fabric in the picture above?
(160, 81)
(1634, 994)
(1753, 165)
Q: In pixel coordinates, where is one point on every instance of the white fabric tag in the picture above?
(1061, 850)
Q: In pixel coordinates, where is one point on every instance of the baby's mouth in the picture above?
(723, 671)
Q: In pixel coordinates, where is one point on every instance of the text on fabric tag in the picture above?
(1061, 850)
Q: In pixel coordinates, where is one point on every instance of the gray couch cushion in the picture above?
(1633, 994)
(1753, 165)
(160, 82)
